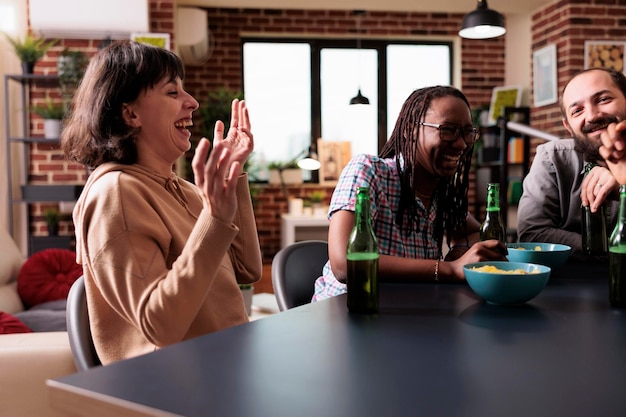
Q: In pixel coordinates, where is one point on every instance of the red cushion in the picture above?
(11, 324)
(47, 276)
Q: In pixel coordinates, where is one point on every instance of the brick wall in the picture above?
(47, 162)
(568, 24)
(482, 63)
(270, 203)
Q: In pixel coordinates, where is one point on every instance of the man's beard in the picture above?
(588, 146)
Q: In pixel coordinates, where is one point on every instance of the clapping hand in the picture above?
(216, 177)
(239, 138)
(613, 149)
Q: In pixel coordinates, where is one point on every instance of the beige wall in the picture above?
(14, 22)
(518, 61)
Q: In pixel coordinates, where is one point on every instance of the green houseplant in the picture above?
(52, 217)
(316, 197)
(217, 107)
(52, 113)
(29, 50)
(284, 173)
(71, 67)
(49, 110)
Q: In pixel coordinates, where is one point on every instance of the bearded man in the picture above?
(556, 186)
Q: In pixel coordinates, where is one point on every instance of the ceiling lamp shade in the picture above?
(310, 162)
(359, 99)
(482, 23)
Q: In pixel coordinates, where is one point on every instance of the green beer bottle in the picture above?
(593, 227)
(362, 256)
(492, 227)
(617, 255)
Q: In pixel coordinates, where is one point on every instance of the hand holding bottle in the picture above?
(593, 222)
(596, 187)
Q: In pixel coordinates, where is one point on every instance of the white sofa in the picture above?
(26, 359)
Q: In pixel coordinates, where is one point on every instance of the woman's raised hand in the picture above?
(216, 177)
(239, 138)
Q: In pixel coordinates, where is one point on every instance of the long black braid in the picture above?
(451, 194)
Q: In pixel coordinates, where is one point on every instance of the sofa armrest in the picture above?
(10, 301)
(27, 360)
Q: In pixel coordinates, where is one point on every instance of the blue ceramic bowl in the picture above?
(553, 255)
(507, 288)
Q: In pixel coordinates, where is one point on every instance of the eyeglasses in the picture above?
(448, 133)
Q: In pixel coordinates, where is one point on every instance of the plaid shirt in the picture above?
(381, 176)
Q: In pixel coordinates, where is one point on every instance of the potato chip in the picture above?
(490, 269)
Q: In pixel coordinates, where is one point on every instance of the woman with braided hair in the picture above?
(418, 189)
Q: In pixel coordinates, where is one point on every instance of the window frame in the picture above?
(380, 45)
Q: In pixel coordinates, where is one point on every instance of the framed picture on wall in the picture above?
(161, 40)
(544, 76)
(501, 97)
(605, 54)
(333, 157)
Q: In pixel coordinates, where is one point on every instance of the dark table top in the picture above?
(433, 350)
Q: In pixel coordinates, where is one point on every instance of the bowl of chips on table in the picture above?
(501, 282)
(553, 255)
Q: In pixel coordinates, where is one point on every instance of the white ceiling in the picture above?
(456, 6)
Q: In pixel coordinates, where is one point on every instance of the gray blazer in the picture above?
(549, 209)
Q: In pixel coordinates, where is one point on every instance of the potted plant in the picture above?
(52, 217)
(316, 197)
(217, 107)
(29, 50)
(52, 113)
(71, 67)
(289, 171)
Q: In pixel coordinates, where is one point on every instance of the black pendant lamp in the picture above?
(359, 98)
(482, 23)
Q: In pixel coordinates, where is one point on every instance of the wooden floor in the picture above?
(265, 283)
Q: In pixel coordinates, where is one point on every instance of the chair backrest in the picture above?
(77, 319)
(294, 271)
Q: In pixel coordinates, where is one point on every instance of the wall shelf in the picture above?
(32, 193)
(500, 169)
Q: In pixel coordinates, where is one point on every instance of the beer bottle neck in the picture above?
(622, 204)
(493, 200)
(362, 212)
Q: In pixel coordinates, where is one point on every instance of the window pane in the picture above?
(277, 83)
(410, 67)
(342, 73)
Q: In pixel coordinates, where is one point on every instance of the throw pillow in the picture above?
(47, 276)
(11, 324)
(45, 317)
